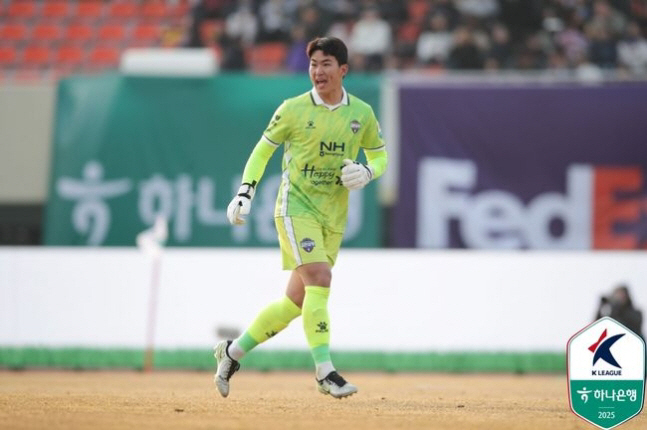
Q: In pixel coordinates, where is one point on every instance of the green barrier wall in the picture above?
(454, 362)
(126, 149)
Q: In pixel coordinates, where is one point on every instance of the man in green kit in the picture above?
(322, 132)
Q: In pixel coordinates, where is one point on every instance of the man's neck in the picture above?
(332, 98)
(341, 99)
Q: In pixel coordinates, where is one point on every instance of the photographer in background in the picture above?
(620, 307)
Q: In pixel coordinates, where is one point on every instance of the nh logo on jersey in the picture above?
(332, 148)
(355, 126)
(607, 388)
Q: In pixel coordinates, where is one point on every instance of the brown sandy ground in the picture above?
(182, 400)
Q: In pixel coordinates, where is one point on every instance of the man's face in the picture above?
(325, 72)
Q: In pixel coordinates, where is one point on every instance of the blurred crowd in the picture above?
(433, 35)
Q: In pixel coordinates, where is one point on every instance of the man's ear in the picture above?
(344, 69)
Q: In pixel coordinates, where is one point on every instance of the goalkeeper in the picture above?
(322, 132)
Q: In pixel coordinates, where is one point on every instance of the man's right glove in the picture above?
(241, 204)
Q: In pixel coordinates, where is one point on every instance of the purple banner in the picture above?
(522, 167)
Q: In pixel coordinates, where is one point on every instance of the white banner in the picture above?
(381, 300)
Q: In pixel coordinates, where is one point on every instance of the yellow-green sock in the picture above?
(271, 320)
(316, 322)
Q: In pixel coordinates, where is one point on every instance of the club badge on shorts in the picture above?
(606, 373)
(307, 244)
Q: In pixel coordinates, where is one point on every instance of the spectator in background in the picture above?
(313, 22)
(435, 41)
(602, 49)
(232, 53)
(558, 64)
(295, 61)
(447, 8)
(338, 9)
(242, 23)
(620, 307)
(531, 55)
(552, 22)
(522, 18)
(481, 9)
(210, 33)
(394, 11)
(341, 28)
(639, 12)
(370, 41)
(573, 42)
(464, 54)
(273, 22)
(500, 47)
(632, 51)
(206, 11)
(496, 34)
(608, 19)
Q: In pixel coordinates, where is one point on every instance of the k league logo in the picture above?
(602, 349)
(606, 373)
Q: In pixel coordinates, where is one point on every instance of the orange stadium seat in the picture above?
(145, 34)
(45, 32)
(8, 55)
(22, 9)
(155, 9)
(36, 56)
(69, 56)
(13, 31)
(89, 9)
(123, 9)
(103, 56)
(179, 10)
(112, 32)
(267, 57)
(56, 9)
(79, 32)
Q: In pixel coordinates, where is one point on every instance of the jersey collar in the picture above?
(317, 100)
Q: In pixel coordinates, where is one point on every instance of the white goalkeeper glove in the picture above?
(355, 175)
(241, 204)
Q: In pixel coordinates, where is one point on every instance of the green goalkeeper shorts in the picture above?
(303, 240)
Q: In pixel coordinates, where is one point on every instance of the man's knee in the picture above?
(318, 274)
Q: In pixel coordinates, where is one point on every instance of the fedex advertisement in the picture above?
(522, 167)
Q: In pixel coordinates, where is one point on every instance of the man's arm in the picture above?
(254, 169)
(257, 161)
(377, 160)
(276, 133)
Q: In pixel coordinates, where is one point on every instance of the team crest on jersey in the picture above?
(355, 125)
(307, 244)
(311, 125)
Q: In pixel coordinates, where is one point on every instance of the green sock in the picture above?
(316, 322)
(269, 322)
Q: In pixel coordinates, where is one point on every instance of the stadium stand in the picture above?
(256, 35)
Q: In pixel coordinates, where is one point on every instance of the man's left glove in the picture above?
(354, 175)
(241, 204)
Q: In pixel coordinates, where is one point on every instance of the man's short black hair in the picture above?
(329, 46)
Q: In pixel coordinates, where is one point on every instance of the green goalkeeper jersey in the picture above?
(316, 139)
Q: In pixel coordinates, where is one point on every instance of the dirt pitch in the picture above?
(163, 400)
